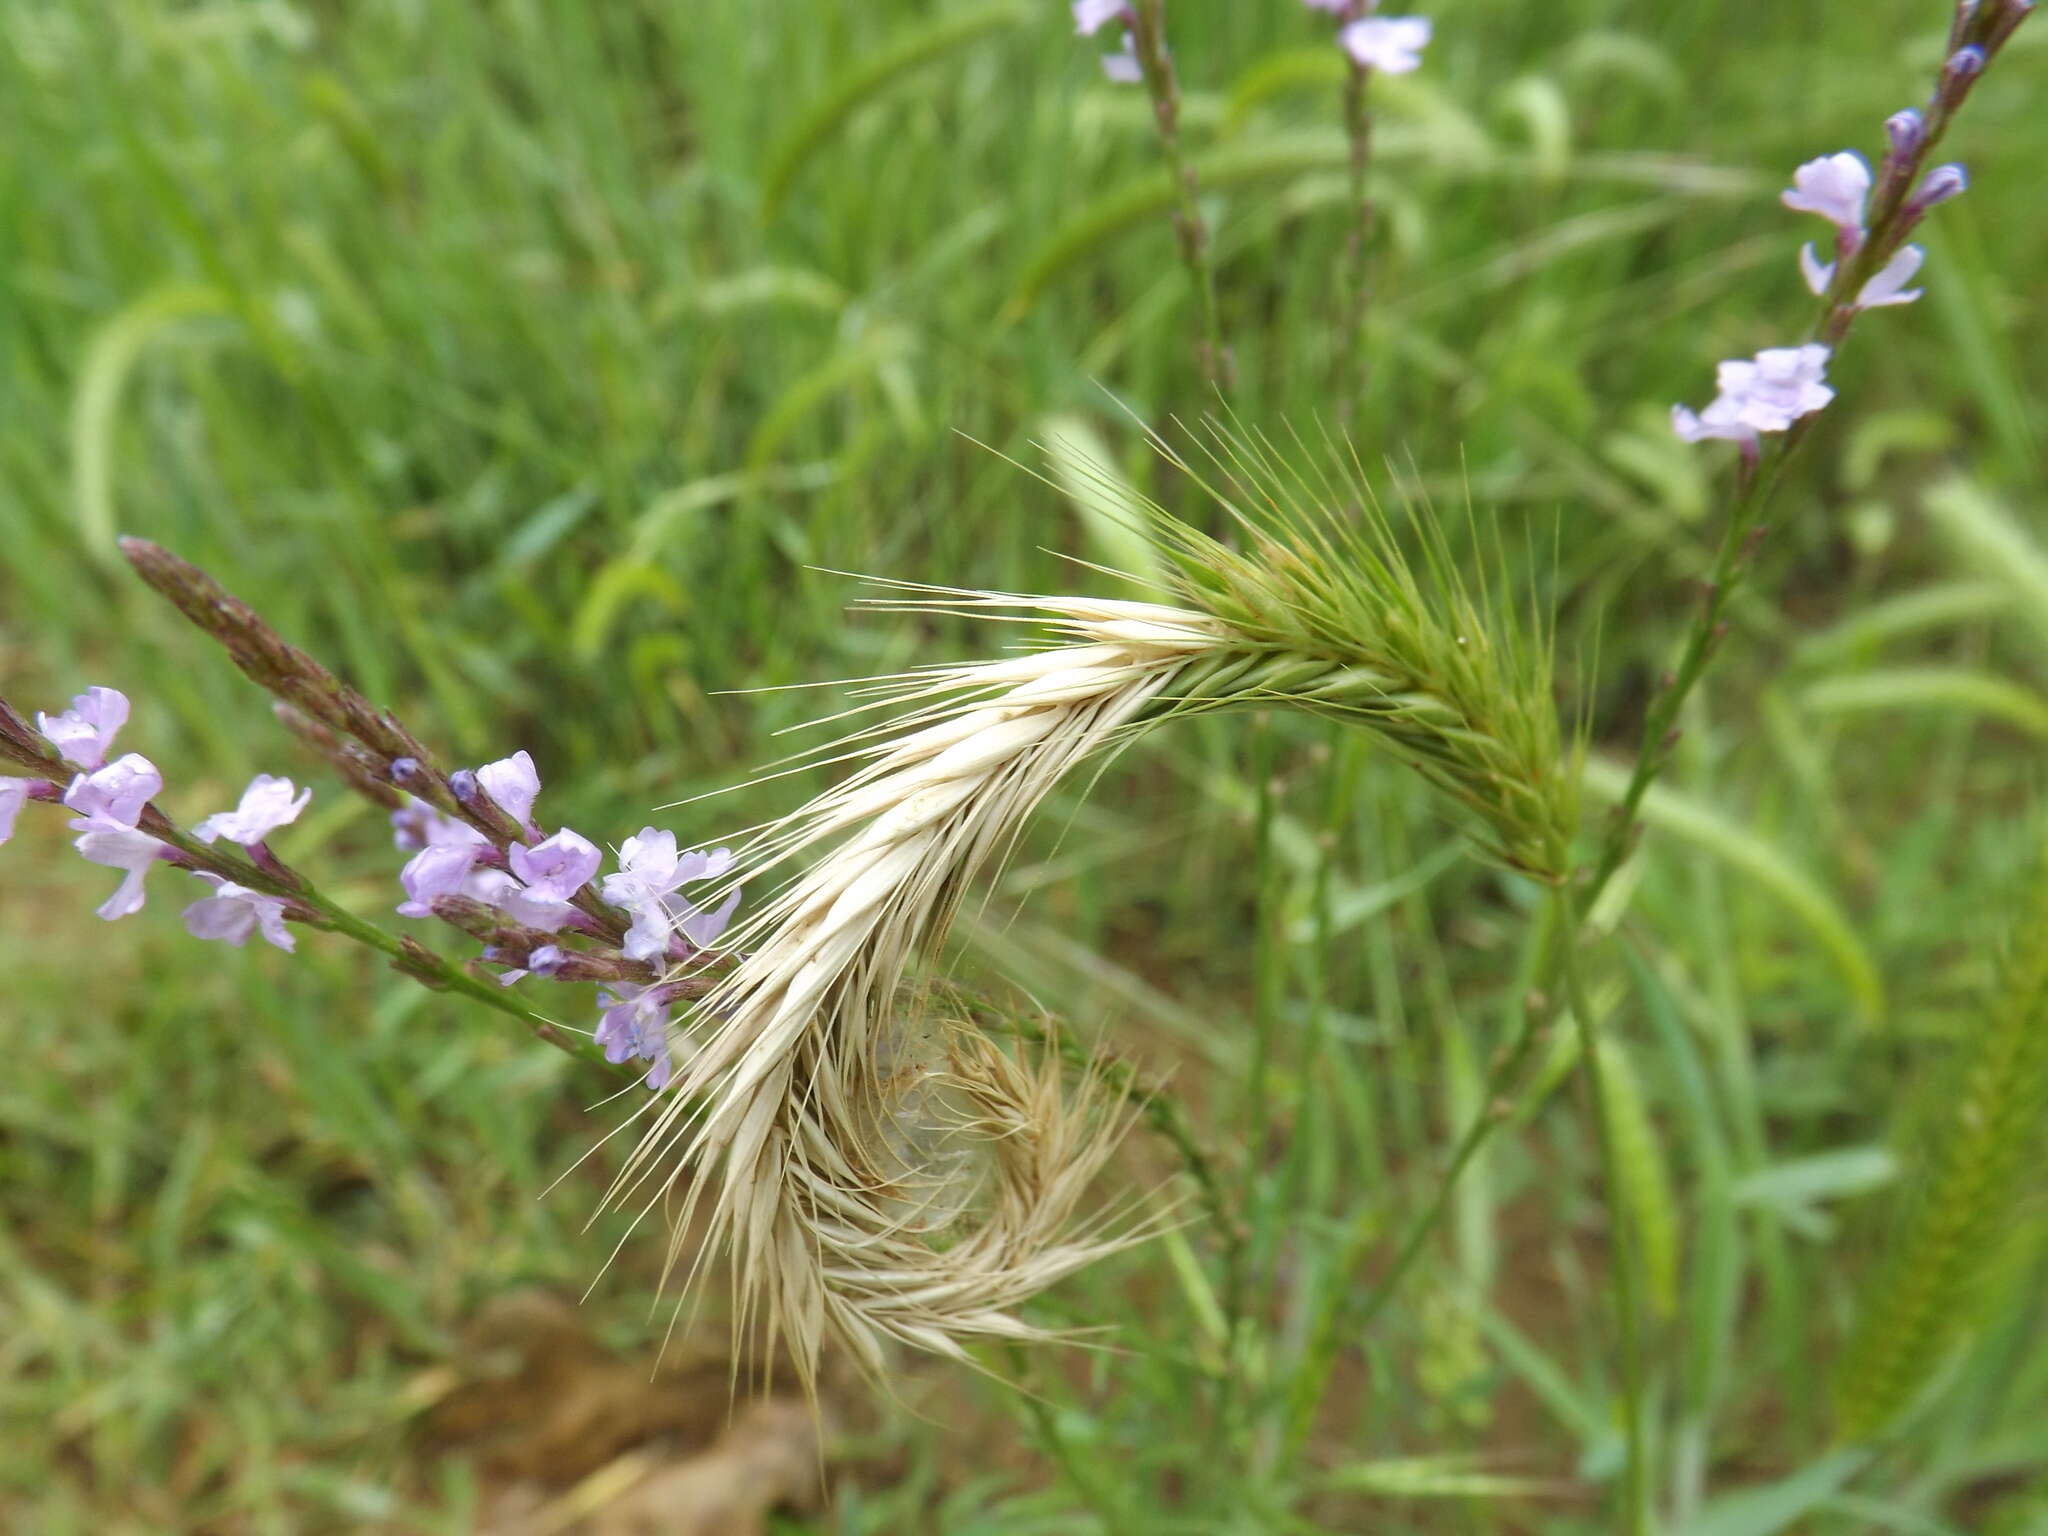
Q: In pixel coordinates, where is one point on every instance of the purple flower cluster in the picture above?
(1872, 263)
(479, 861)
(1091, 16)
(1390, 44)
(633, 927)
(109, 800)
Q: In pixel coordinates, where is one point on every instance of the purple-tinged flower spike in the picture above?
(267, 804)
(513, 785)
(1886, 286)
(85, 732)
(233, 912)
(1765, 395)
(125, 849)
(13, 795)
(1834, 187)
(1091, 16)
(111, 799)
(1390, 44)
(440, 870)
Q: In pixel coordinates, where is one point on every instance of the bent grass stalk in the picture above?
(842, 1138)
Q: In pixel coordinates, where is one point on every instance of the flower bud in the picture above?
(1938, 186)
(1964, 65)
(1904, 130)
(404, 769)
(462, 784)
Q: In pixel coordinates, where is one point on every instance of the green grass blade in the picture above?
(869, 81)
(1683, 817)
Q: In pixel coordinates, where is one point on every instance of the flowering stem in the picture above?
(316, 910)
(1358, 126)
(1148, 36)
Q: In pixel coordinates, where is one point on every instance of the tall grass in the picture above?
(533, 362)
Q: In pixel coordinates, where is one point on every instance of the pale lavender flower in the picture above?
(416, 825)
(1090, 16)
(440, 870)
(1764, 395)
(13, 794)
(111, 798)
(84, 732)
(1390, 44)
(1834, 187)
(1123, 68)
(650, 873)
(1722, 418)
(513, 783)
(266, 805)
(635, 1024)
(125, 849)
(1886, 286)
(233, 912)
(558, 867)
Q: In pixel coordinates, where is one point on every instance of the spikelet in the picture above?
(851, 1142)
(1982, 1151)
(873, 1175)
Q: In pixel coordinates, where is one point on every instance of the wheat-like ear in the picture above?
(872, 1176)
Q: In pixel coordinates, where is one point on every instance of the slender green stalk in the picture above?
(1620, 1248)
(408, 956)
(1148, 34)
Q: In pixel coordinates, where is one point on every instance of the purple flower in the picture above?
(13, 792)
(84, 732)
(416, 825)
(1390, 44)
(635, 1024)
(650, 871)
(233, 912)
(558, 867)
(111, 798)
(513, 783)
(1123, 68)
(440, 870)
(1834, 187)
(266, 805)
(125, 849)
(1764, 395)
(1886, 286)
(1090, 16)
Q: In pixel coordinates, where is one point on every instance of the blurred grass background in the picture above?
(533, 362)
